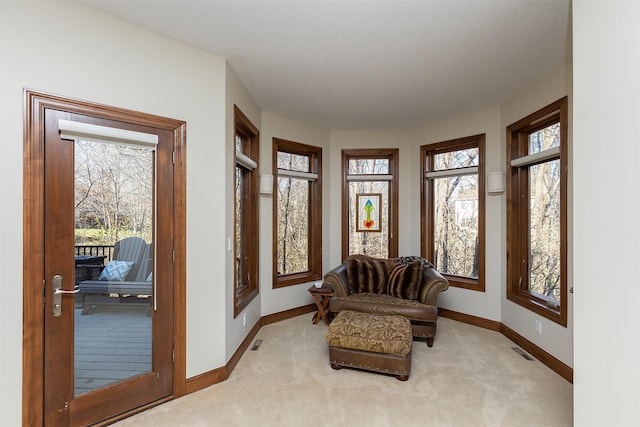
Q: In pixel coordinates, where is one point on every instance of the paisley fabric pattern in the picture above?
(384, 299)
(385, 304)
(370, 332)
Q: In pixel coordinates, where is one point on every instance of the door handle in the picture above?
(56, 288)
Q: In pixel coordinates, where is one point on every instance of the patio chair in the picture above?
(125, 279)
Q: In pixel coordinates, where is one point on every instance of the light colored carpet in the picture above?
(470, 377)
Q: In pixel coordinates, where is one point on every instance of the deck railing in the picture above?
(95, 250)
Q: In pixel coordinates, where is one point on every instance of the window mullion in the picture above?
(445, 173)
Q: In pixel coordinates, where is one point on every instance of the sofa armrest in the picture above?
(337, 279)
(432, 284)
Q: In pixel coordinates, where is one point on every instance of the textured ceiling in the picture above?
(374, 63)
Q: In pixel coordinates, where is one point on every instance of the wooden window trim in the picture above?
(426, 199)
(375, 153)
(250, 241)
(315, 214)
(516, 180)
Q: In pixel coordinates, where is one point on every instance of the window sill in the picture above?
(539, 306)
(295, 279)
(465, 282)
(243, 299)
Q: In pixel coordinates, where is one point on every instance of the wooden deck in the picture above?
(111, 343)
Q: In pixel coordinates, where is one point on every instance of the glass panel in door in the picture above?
(114, 246)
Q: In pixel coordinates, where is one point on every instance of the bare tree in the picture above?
(114, 190)
(292, 215)
(544, 213)
(456, 215)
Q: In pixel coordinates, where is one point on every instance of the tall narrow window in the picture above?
(370, 202)
(536, 212)
(297, 213)
(452, 209)
(245, 212)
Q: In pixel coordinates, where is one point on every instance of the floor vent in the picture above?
(256, 345)
(522, 353)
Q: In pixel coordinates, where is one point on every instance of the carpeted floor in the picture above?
(470, 377)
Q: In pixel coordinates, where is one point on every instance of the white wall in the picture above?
(606, 77)
(274, 126)
(236, 329)
(67, 49)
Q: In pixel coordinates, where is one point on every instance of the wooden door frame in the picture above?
(34, 104)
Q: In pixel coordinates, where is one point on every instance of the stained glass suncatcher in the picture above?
(368, 211)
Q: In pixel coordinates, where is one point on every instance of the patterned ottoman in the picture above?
(371, 342)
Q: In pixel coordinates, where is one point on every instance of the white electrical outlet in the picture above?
(539, 327)
(244, 320)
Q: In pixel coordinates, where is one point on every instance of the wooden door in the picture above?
(71, 398)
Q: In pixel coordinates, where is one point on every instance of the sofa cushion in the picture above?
(404, 280)
(366, 274)
(370, 332)
(385, 304)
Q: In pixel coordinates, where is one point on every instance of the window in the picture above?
(297, 213)
(537, 212)
(370, 202)
(452, 209)
(246, 212)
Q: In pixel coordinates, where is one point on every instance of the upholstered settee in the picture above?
(404, 286)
